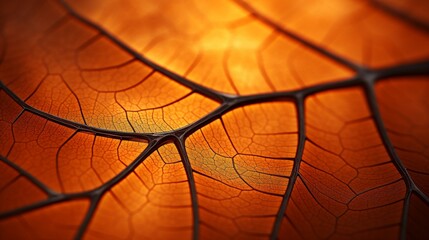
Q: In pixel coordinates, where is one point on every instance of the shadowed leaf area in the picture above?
(226, 119)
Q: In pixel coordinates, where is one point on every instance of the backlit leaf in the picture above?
(225, 119)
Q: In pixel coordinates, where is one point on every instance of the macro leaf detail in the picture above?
(225, 119)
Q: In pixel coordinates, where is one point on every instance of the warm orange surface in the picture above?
(242, 163)
(223, 119)
(16, 191)
(415, 8)
(348, 186)
(354, 29)
(64, 72)
(65, 160)
(60, 220)
(151, 203)
(218, 45)
(418, 219)
(406, 101)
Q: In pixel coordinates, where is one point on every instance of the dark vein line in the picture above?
(327, 173)
(165, 105)
(410, 69)
(77, 99)
(232, 102)
(44, 203)
(10, 182)
(13, 132)
(389, 183)
(234, 165)
(37, 86)
(57, 160)
(317, 200)
(423, 198)
(421, 194)
(294, 175)
(75, 125)
(228, 103)
(217, 96)
(95, 200)
(264, 19)
(180, 145)
(30, 177)
(153, 145)
(92, 194)
(113, 67)
(219, 181)
(125, 111)
(418, 172)
(372, 102)
(413, 21)
(143, 79)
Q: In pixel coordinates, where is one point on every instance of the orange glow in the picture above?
(404, 100)
(214, 45)
(241, 169)
(346, 175)
(354, 29)
(142, 205)
(226, 119)
(65, 160)
(61, 219)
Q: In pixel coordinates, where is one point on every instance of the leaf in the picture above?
(66, 160)
(409, 134)
(66, 75)
(360, 31)
(347, 184)
(61, 219)
(214, 120)
(142, 204)
(224, 48)
(242, 164)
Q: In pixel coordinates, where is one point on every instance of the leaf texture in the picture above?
(226, 119)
